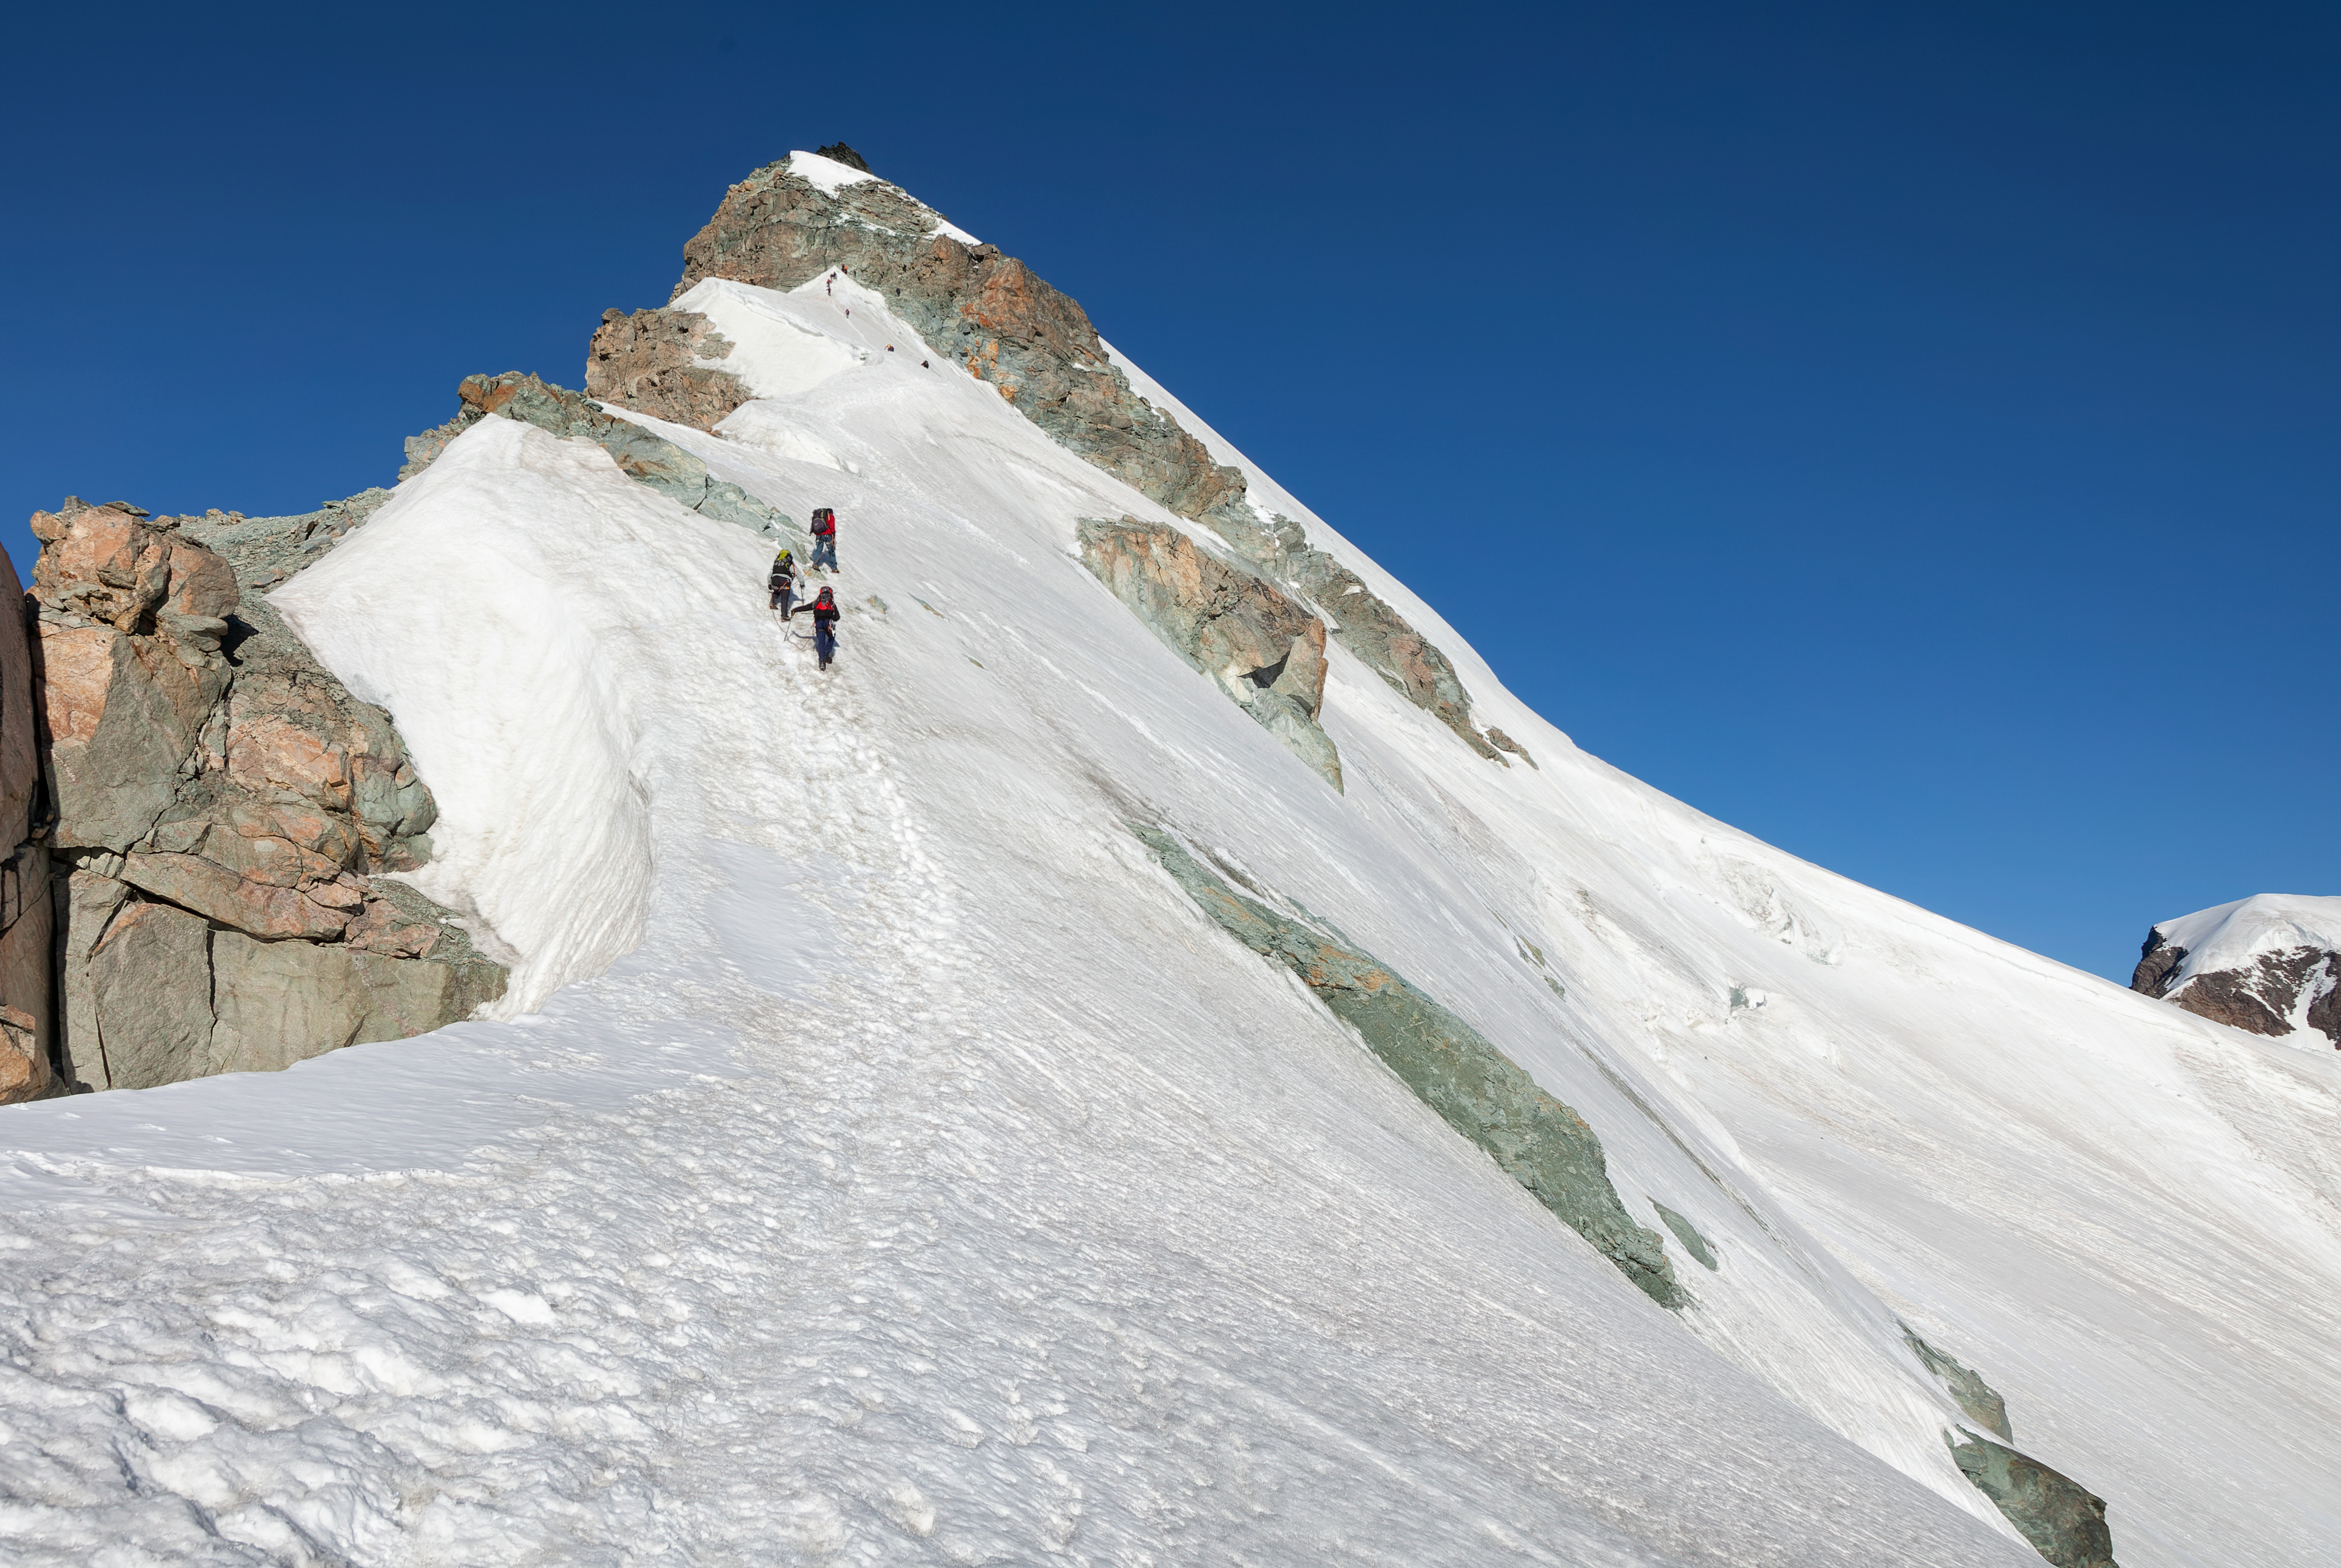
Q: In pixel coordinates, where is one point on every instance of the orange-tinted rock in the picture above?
(649, 362)
(381, 929)
(213, 784)
(209, 889)
(122, 713)
(269, 751)
(76, 672)
(24, 1060)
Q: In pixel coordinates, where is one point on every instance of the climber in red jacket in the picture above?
(825, 624)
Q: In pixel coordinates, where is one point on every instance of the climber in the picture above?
(825, 624)
(784, 580)
(825, 538)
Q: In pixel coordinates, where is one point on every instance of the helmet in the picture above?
(828, 596)
(784, 555)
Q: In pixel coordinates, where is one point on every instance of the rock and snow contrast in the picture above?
(1154, 1057)
(2270, 964)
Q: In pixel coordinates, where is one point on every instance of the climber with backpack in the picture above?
(825, 538)
(825, 624)
(784, 580)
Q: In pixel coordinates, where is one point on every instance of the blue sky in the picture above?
(1907, 432)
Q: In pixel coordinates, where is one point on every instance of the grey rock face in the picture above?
(277, 1003)
(1981, 1402)
(647, 361)
(208, 778)
(2261, 998)
(2065, 1521)
(648, 459)
(1267, 653)
(154, 1028)
(839, 153)
(1688, 1234)
(1365, 623)
(265, 550)
(986, 310)
(1475, 1089)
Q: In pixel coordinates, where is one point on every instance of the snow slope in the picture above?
(899, 1170)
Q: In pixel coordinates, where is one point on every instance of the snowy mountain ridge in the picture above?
(886, 1152)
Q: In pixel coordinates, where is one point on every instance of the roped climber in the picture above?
(825, 624)
(825, 538)
(784, 580)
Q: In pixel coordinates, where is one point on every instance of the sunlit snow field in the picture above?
(896, 1168)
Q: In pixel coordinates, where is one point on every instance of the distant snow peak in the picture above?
(2270, 964)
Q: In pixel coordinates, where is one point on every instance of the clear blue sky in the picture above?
(1905, 432)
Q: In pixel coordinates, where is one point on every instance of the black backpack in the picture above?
(824, 520)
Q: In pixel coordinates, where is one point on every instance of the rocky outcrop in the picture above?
(839, 153)
(1475, 1090)
(970, 301)
(1504, 742)
(1267, 653)
(27, 984)
(650, 362)
(2062, 1518)
(2065, 1521)
(2261, 997)
(266, 551)
(1689, 1234)
(2270, 965)
(1362, 618)
(648, 459)
(222, 812)
(1976, 1398)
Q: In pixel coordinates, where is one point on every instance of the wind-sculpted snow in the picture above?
(898, 1170)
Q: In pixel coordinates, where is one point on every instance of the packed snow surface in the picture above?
(888, 1164)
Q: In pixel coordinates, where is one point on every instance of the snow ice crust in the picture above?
(885, 1162)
